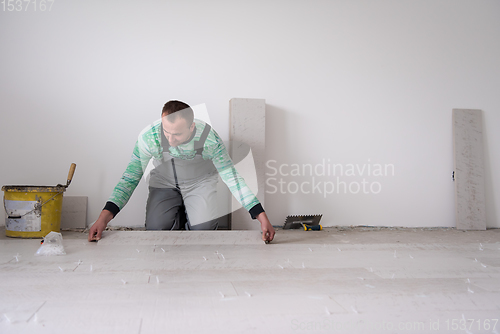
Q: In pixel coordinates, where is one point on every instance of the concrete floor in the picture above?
(340, 280)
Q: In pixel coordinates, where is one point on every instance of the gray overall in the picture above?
(183, 192)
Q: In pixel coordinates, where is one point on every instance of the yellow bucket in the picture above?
(32, 211)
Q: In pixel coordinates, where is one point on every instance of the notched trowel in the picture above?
(295, 222)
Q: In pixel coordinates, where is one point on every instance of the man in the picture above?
(187, 156)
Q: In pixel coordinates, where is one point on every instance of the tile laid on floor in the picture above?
(227, 282)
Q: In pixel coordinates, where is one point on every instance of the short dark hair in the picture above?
(174, 109)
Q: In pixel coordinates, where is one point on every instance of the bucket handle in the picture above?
(36, 207)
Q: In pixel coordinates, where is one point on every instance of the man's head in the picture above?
(177, 121)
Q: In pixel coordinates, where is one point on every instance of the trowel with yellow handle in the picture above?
(298, 222)
(70, 176)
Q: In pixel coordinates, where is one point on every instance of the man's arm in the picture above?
(126, 186)
(130, 178)
(216, 150)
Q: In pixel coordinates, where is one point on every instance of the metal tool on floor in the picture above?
(297, 222)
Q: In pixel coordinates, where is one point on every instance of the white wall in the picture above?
(355, 82)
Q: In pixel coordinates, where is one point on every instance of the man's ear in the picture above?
(191, 128)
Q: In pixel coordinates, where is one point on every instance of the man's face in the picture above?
(178, 131)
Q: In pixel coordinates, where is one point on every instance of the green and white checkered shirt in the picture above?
(148, 146)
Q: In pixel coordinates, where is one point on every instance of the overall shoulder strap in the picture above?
(199, 144)
(164, 142)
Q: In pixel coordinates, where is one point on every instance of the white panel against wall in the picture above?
(248, 127)
(74, 212)
(469, 169)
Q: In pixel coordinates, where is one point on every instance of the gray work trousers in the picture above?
(192, 207)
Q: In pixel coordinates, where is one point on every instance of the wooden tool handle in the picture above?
(71, 172)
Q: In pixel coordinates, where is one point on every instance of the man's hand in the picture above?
(267, 229)
(95, 232)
